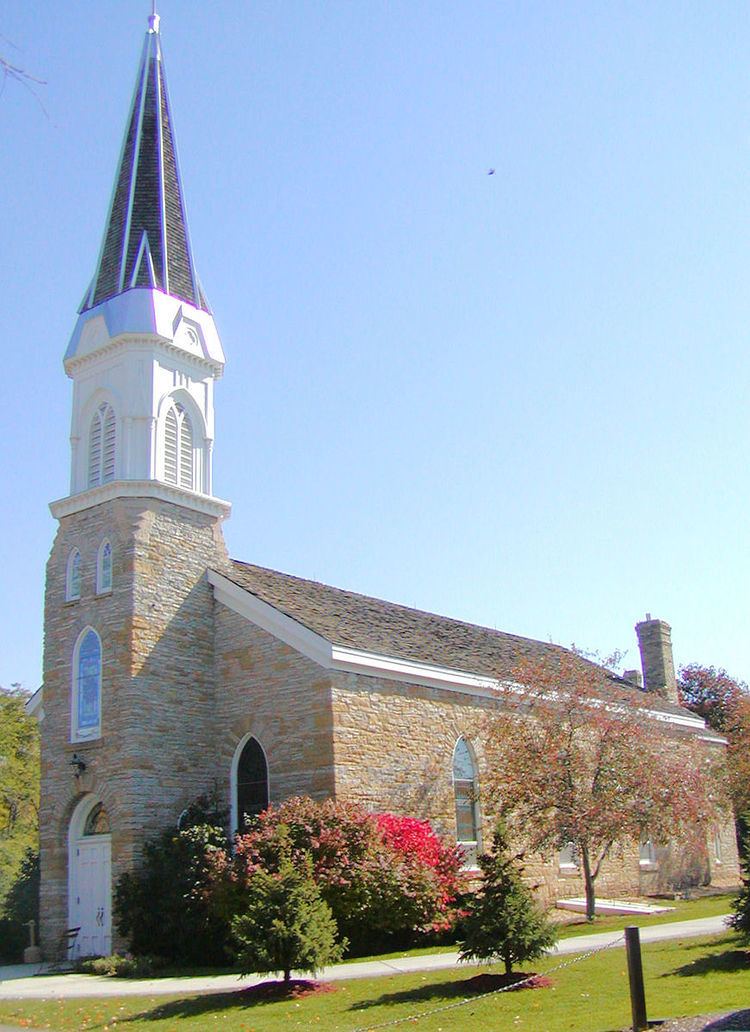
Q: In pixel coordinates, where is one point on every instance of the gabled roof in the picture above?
(146, 241)
(372, 625)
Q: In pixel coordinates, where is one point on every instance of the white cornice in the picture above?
(205, 504)
(345, 659)
(34, 706)
(127, 342)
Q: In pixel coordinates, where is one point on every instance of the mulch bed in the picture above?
(491, 983)
(294, 990)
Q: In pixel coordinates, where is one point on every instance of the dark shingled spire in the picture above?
(146, 241)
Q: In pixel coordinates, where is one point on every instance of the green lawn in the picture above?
(693, 976)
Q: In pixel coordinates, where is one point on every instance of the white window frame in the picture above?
(72, 573)
(471, 848)
(647, 853)
(87, 734)
(185, 455)
(101, 587)
(566, 857)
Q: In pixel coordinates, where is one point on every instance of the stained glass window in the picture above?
(104, 571)
(89, 684)
(73, 582)
(97, 822)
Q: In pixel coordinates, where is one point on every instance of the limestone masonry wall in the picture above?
(393, 748)
(156, 750)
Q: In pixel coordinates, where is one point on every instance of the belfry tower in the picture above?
(127, 697)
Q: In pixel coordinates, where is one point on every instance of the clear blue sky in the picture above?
(518, 399)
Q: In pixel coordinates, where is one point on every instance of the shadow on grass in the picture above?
(468, 988)
(715, 963)
(239, 999)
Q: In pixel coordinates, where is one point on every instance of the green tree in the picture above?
(19, 791)
(285, 923)
(504, 921)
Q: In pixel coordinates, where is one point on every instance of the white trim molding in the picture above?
(206, 504)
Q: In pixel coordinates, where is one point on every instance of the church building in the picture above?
(170, 668)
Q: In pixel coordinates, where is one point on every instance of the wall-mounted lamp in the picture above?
(78, 765)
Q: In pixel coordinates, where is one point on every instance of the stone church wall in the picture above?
(267, 689)
(394, 743)
(156, 750)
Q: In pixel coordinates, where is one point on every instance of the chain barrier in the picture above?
(575, 959)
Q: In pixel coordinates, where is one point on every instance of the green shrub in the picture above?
(740, 919)
(285, 925)
(163, 907)
(122, 966)
(503, 920)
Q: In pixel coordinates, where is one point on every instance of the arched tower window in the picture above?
(104, 568)
(466, 796)
(251, 784)
(179, 463)
(102, 446)
(73, 577)
(87, 686)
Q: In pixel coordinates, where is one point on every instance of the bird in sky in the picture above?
(491, 172)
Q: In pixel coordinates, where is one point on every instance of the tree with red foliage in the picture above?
(724, 703)
(378, 873)
(576, 758)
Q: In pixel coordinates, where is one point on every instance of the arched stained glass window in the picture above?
(104, 568)
(179, 460)
(97, 822)
(73, 577)
(466, 798)
(252, 783)
(102, 439)
(87, 687)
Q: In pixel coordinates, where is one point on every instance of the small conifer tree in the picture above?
(504, 921)
(284, 924)
(740, 919)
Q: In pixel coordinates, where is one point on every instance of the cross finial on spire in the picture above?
(153, 20)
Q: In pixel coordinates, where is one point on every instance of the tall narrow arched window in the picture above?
(87, 686)
(466, 796)
(104, 568)
(73, 577)
(102, 439)
(251, 784)
(179, 463)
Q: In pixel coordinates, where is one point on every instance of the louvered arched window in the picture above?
(102, 446)
(87, 686)
(179, 462)
(73, 577)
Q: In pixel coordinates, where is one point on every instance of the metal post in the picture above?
(635, 973)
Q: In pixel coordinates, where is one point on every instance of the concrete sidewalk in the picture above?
(16, 983)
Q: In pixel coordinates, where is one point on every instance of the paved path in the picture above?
(15, 982)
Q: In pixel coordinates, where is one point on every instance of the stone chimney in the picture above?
(634, 676)
(655, 644)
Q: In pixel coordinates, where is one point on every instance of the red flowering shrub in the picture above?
(378, 873)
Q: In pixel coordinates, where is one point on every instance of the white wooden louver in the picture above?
(179, 463)
(102, 441)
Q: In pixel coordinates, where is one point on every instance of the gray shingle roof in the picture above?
(386, 628)
(146, 242)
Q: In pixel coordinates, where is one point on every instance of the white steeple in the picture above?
(145, 351)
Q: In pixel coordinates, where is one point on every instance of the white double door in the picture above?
(91, 896)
